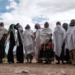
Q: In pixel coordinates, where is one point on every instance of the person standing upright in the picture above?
(71, 41)
(19, 43)
(58, 38)
(11, 39)
(29, 44)
(2, 41)
(46, 50)
(37, 41)
(67, 57)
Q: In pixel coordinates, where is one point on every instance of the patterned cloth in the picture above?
(72, 55)
(46, 52)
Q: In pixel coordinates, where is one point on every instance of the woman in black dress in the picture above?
(11, 37)
(19, 51)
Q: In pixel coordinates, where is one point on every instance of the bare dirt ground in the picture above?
(36, 69)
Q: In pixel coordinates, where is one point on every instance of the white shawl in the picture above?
(37, 40)
(67, 36)
(58, 38)
(2, 32)
(45, 35)
(29, 42)
(72, 39)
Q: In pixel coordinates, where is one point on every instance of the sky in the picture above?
(36, 11)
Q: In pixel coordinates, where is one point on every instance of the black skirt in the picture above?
(19, 53)
(67, 57)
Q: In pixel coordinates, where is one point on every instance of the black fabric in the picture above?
(19, 51)
(29, 56)
(16, 27)
(41, 53)
(2, 48)
(67, 57)
(12, 40)
(20, 43)
(10, 53)
(11, 46)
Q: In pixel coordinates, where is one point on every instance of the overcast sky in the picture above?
(36, 11)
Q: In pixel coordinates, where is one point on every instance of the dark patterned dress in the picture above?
(46, 53)
(2, 48)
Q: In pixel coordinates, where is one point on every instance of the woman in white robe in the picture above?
(29, 44)
(67, 33)
(46, 45)
(67, 43)
(37, 42)
(58, 38)
(71, 41)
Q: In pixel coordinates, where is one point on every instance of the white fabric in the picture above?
(67, 36)
(29, 42)
(20, 29)
(9, 37)
(45, 35)
(58, 37)
(72, 39)
(2, 32)
(42, 36)
(37, 40)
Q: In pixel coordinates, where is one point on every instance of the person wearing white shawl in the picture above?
(19, 43)
(67, 33)
(71, 41)
(58, 38)
(11, 40)
(3, 32)
(29, 44)
(46, 51)
(37, 41)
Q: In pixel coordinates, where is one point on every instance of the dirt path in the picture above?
(36, 69)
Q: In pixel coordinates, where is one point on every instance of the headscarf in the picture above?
(65, 26)
(72, 23)
(46, 24)
(27, 26)
(38, 25)
(20, 28)
(11, 28)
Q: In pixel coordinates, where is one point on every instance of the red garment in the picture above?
(50, 45)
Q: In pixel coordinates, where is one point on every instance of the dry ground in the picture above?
(36, 69)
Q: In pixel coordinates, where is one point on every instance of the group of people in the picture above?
(43, 44)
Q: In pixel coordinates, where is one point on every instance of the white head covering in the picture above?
(45, 35)
(2, 31)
